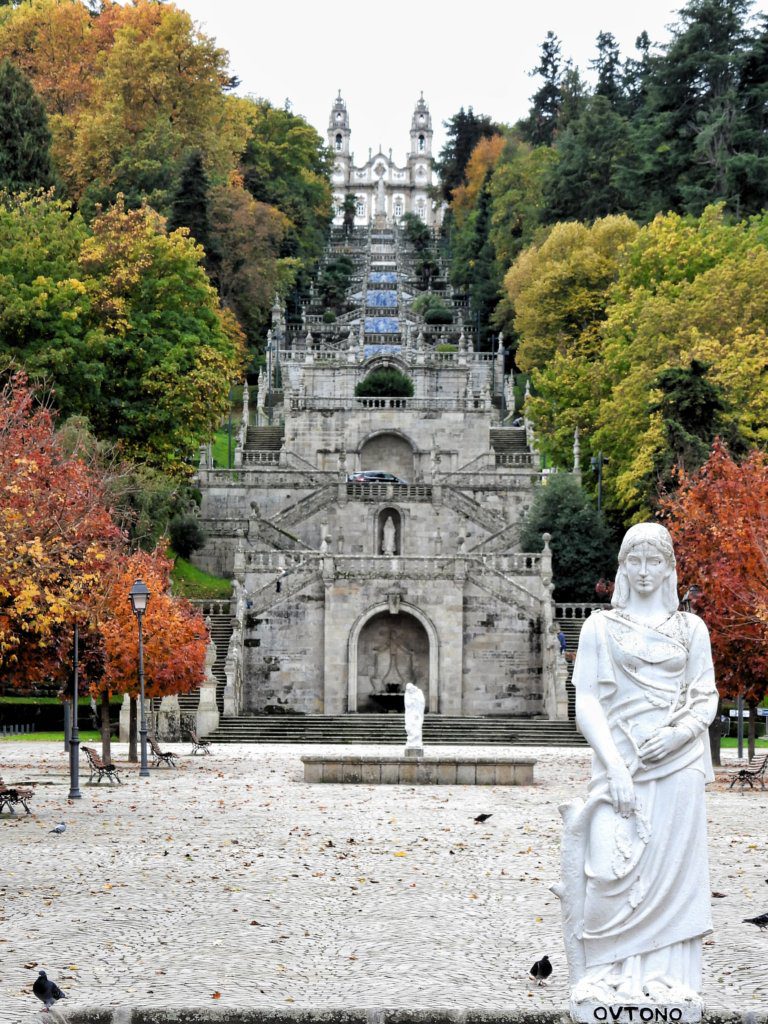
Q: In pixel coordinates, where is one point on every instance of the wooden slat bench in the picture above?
(10, 796)
(166, 757)
(749, 774)
(98, 767)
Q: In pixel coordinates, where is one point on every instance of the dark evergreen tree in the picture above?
(607, 67)
(583, 550)
(349, 209)
(634, 77)
(689, 123)
(585, 183)
(25, 141)
(749, 164)
(191, 209)
(541, 124)
(464, 130)
(691, 409)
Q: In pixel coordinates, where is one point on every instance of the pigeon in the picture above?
(761, 921)
(47, 991)
(61, 827)
(541, 970)
(481, 818)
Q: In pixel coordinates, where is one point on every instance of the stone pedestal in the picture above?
(207, 711)
(169, 719)
(413, 752)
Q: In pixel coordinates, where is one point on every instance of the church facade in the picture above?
(384, 191)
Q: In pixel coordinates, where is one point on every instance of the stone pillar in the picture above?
(169, 719)
(125, 718)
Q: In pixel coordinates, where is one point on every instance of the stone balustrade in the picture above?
(212, 606)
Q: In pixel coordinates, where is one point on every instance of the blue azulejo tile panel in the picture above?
(382, 325)
(382, 277)
(381, 298)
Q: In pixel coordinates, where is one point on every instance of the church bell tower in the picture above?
(338, 128)
(421, 130)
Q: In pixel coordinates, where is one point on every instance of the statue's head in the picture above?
(650, 535)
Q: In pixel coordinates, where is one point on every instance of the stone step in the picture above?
(390, 729)
(507, 440)
(264, 439)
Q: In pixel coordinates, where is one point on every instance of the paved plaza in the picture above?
(231, 882)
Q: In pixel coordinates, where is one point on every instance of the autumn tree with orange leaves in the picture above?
(63, 559)
(718, 518)
(56, 538)
(175, 636)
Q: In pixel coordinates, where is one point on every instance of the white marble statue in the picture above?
(388, 536)
(414, 717)
(635, 888)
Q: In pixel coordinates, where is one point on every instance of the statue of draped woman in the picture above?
(635, 889)
(414, 717)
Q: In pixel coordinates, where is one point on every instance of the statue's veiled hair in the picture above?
(658, 537)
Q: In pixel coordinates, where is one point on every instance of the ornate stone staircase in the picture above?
(389, 729)
(460, 502)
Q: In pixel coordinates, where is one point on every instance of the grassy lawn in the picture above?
(220, 447)
(189, 581)
(732, 741)
(86, 736)
(82, 702)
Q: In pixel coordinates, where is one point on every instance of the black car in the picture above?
(374, 476)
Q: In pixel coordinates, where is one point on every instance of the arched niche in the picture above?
(389, 536)
(387, 649)
(389, 451)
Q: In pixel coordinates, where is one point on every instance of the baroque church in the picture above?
(382, 188)
(374, 541)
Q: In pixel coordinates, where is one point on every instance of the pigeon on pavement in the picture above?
(481, 818)
(541, 970)
(761, 921)
(47, 991)
(61, 827)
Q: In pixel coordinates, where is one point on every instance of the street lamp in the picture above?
(74, 742)
(139, 596)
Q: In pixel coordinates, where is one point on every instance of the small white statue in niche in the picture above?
(388, 537)
(635, 886)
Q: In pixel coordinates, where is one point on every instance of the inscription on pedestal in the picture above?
(635, 1013)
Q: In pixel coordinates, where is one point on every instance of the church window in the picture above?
(338, 140)
(421, 143)
(360, 207)
(398, 207)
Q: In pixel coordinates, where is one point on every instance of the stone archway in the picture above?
(390, 645)
(390, 452)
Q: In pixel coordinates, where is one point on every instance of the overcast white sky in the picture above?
(381, 55)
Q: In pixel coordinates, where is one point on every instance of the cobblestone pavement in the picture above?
(232, 880)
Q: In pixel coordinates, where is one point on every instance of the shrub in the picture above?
(385, 383)
(432, 309)
(186, 533)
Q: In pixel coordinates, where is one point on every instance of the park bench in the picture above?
(749, 774)
(12, 795)
(161, 756)
(199, 746)
(98, 767)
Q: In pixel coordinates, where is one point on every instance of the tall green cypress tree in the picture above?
(191, 209)
(25, 141)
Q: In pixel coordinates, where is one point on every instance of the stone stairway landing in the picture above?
(508, 440)
(264, 439)
(389, 729)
